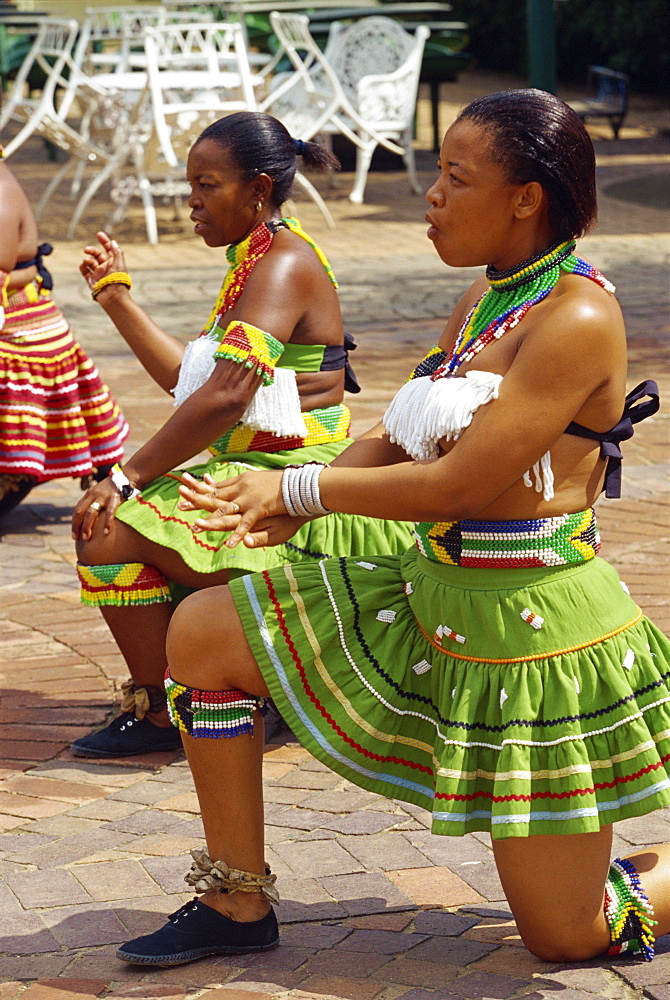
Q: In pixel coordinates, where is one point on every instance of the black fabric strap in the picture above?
(336, 356)
(633, 412)
(43, 250)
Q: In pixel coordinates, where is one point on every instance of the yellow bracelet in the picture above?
(115, 278)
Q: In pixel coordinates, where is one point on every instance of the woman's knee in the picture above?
(101, 549)
(206, 647)
(560, 944)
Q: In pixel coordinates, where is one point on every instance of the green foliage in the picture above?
(628, 35)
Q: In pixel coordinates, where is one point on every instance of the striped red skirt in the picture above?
(57, 418)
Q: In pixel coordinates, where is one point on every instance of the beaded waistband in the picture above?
(541, 541)
(324, 426)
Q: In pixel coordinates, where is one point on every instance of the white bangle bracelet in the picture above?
(300, 490)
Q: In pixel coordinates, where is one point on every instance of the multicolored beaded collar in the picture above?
(510, 295)
(243, 257)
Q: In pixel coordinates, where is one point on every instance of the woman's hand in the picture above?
(101, 500)
(99, 261)
(244, 506)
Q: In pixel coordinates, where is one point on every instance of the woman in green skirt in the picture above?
(261, 388)
(498, 673)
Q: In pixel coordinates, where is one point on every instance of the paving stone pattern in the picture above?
(374, 906)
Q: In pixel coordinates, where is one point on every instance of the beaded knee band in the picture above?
(141, 700)
(628, 912)
(122, 585)
(212, 714)
(205, 874)
(541, 541)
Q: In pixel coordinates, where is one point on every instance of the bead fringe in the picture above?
(425, 411)
(276, 408)
(628, 912)
(196, 367)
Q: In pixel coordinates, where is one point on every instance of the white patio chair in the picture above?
(304, 98)
(107, 33)
(377, 64)
(100, 137)
(181, 102)
(49, 54)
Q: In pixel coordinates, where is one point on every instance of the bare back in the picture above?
(18, 230)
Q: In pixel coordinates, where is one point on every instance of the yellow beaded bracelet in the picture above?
(115, 278)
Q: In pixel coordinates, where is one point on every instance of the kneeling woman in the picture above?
(497, 673)
(261, 388)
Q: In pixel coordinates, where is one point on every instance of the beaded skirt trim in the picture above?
(324, 426)
(628, 912)
(542, 541)
(211, 714)
(122, 585)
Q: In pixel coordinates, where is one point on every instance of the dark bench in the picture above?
(607, 97)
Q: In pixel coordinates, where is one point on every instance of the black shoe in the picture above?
(126, 736)
(196, 930)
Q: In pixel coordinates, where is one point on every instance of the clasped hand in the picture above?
(250, 506)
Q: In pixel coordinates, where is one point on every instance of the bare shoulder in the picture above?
(582, 309)
(296, 251)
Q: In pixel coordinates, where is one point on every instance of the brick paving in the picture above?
(374, 906)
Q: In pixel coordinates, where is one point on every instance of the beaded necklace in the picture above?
(510, 295)
(243, 257)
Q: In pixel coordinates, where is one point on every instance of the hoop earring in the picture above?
(259, 205)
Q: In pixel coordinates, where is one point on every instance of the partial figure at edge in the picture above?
(498, 672)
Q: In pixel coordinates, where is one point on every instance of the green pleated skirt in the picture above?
(430, 683)
(155, 515)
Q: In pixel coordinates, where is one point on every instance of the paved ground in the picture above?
(374, 907)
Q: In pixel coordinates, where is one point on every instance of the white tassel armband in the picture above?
(300, 490)
(273, 408)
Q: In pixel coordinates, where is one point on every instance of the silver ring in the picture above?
(95, 506)
(235, 506)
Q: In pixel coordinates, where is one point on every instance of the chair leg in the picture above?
(97, 181)
(363, 161)
(149, 211)
(75, 187)
(21, 136)
(316, 197)
(410, 164)
(51, 187)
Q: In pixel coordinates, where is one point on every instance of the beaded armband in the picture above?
(628, 912)
(251, 347)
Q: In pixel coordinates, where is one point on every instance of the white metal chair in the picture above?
(305, 98)
(50, 54)
(107, 33)
(99, 137)
(377, 64)
(180, 102)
